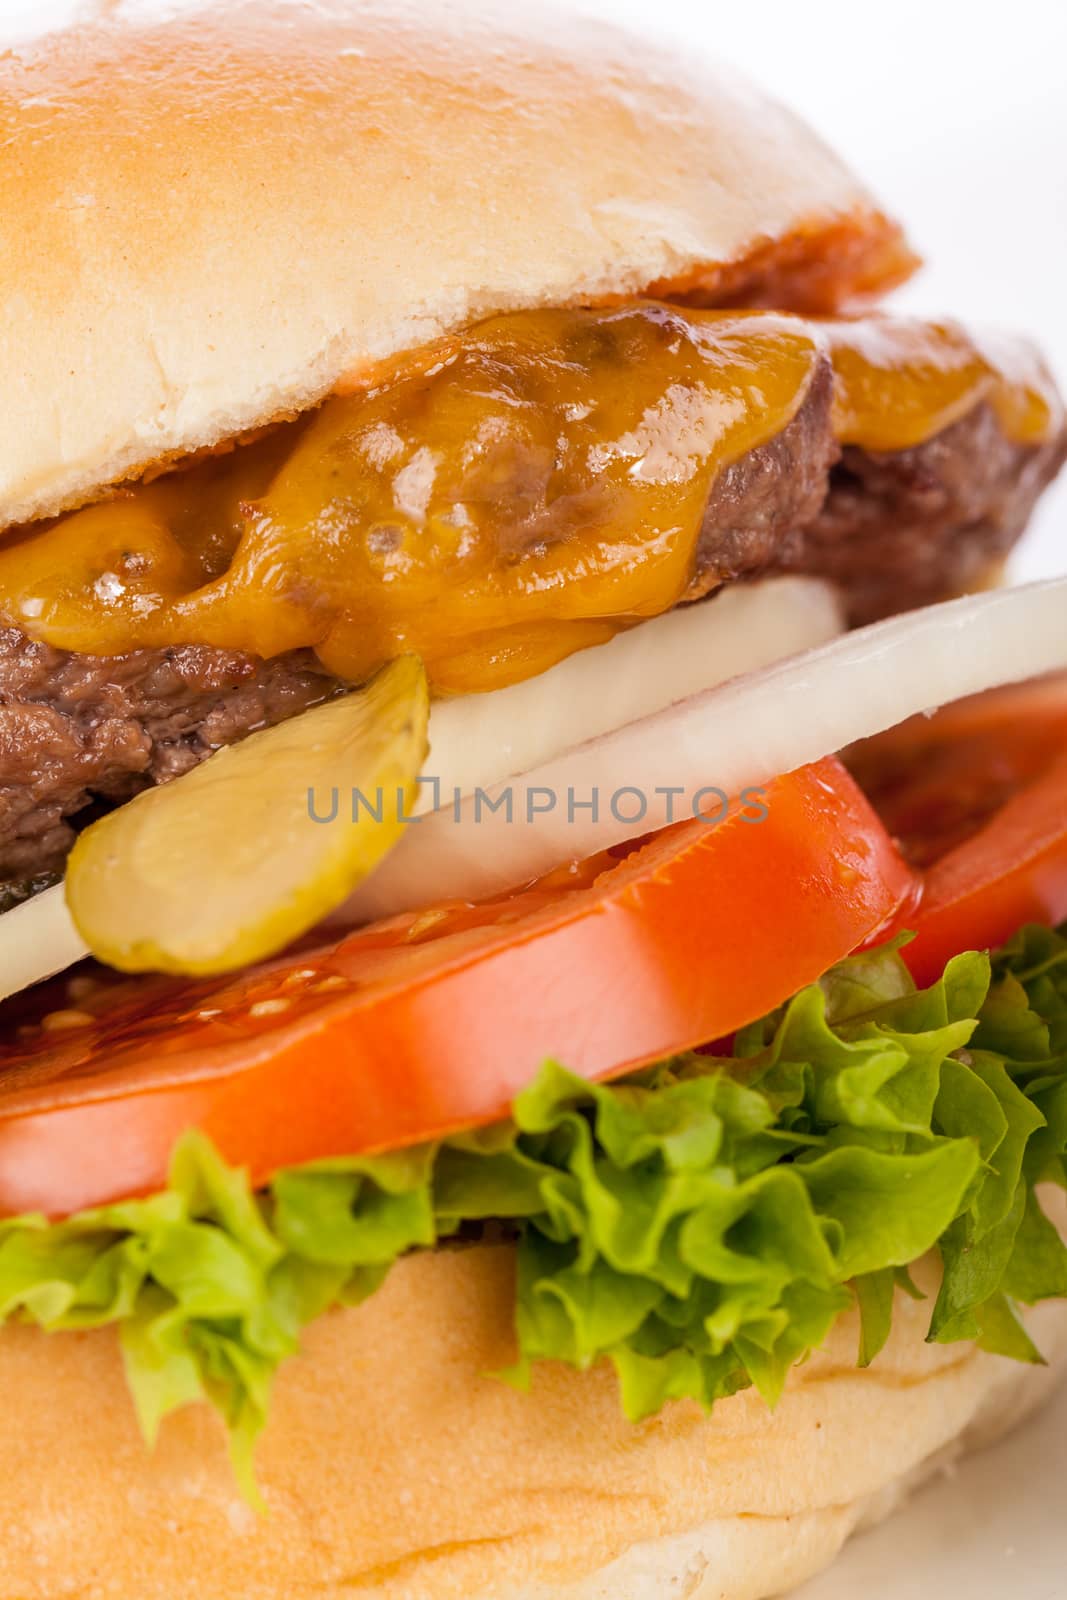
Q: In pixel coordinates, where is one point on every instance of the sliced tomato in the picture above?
(1012, 871)
(978, 795)
(416, 1027)
(935, 781)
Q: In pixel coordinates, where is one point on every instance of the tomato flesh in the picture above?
(414, 1028)
(976, 794)
(935, 781)
(1012, 871)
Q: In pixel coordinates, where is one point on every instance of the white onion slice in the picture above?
(481, 739)
(740, 734)
(37, 940)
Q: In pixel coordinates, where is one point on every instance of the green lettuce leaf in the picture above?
(700, 1225)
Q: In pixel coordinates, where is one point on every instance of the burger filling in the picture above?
(790, 1066)
(494, 503)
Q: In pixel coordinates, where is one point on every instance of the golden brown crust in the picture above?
(394, 1466)
(222, 216)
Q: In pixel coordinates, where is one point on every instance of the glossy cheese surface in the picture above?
(500, 499)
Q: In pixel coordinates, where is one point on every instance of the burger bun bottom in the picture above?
(396, 1464)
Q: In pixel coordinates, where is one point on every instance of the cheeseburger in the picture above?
(533, 1043)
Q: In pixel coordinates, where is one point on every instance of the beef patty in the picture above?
(77, 731)
(892, 530)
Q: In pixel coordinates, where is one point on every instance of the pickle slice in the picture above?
(235, 859)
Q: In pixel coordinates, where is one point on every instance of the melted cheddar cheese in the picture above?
(501, 499)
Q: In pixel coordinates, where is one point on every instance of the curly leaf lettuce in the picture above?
(699, 1225)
